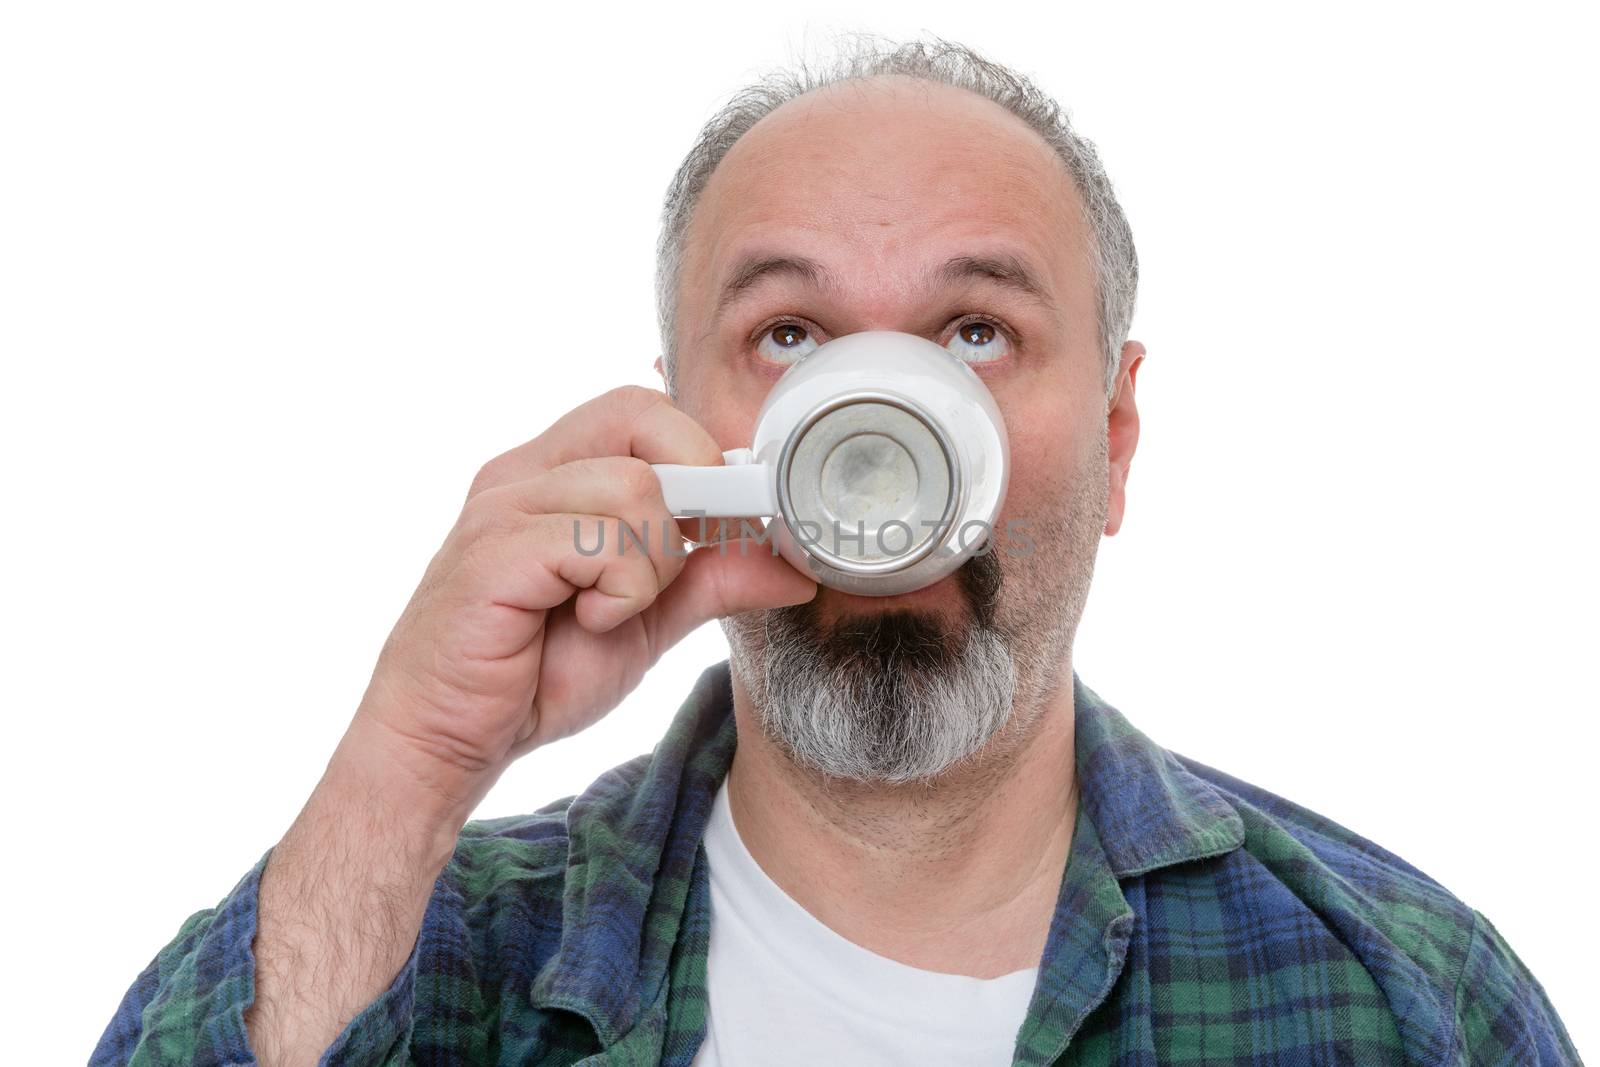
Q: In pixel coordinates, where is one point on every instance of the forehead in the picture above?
(884, 174)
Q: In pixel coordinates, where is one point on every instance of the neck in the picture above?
(960, 875)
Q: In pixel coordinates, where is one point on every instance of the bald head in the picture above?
(890, 177)
(882, 105)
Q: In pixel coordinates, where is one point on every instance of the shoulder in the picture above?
(1441, 963)
(1350, 881)
(1343, 850)
(1505, 1015)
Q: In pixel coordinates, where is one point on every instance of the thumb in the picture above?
(721, 579)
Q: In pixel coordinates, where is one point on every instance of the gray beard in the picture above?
(903, 696)
(891, 697)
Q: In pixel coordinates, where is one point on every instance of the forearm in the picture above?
(341, 902)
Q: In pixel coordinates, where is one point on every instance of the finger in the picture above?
(631, 421)
(720, 580)
(624, 586)
(539, 563)
(619, 486)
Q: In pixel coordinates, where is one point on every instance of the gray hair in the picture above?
(875, 718)
(1114, 263)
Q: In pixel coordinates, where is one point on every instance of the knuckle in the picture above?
(636, 399)
(637, 479)
(487, 476)
(485, 514)
(477, 546)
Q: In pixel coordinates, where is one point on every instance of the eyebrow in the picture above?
(1005, 269)
(759, 266)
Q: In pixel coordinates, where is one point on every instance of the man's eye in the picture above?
(976, 341)
(787, 342)
(979, 341)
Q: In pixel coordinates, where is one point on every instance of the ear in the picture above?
(661, 371)
(1122, 427)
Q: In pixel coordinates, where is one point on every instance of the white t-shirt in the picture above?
(786, 989)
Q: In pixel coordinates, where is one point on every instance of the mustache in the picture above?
(980, 579)
(902, 639)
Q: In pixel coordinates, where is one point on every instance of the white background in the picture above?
(275, 280)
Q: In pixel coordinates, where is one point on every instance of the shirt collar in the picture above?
(1150, 810)
(633, 837)
(1139, 809)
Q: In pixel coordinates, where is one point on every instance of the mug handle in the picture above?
(740, 488)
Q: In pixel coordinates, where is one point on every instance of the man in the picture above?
(891, 830)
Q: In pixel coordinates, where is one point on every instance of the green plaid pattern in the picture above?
(1201, 921)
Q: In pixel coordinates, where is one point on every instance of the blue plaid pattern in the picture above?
(1201, 921)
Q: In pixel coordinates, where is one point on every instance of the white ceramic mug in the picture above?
(882, 455)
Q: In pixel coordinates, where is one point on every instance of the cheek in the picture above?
(1037, 494)
(1049, 443)
(725, 407)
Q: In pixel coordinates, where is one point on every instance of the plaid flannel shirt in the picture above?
(1201, 920)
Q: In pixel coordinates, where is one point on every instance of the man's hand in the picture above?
(518, 634)
(515, 637)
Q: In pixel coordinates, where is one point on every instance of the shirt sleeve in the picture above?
(187, 1006)
(1503, 1013)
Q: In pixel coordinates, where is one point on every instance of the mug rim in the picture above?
(953, 504)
